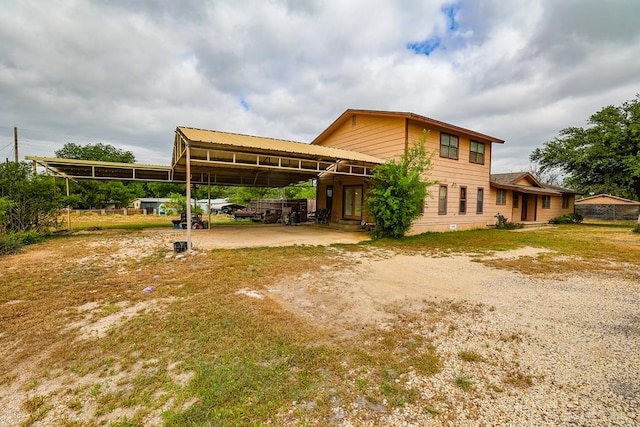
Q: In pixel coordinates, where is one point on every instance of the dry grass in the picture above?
(194, 350)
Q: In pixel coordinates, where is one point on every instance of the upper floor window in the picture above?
(449, 146)
(546, 202)
(476, 153)
(501, 197)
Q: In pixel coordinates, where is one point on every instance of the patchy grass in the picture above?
(196, 352)
(576, 248)
(463, 381)
(470, 356)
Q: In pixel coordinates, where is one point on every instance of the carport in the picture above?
(220, 158)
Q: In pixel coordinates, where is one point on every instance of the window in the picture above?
(476, 154)
(448, 146)
(546, 202)
(565, 202)
(352, 202)
(501, 197)
(480, 200)
(463, 200)
(442, 200)
(516, 199)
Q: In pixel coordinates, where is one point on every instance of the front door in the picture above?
(525, 207)
(352, 202)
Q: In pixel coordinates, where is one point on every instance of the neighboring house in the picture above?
(520, 197)
(606, 206)
(151, 204)
(461, 160)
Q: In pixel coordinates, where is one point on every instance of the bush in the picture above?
(572, 218)
(503, 223)
(9, 244)
(636, 228)
(397, 191)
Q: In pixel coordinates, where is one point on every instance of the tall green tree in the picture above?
(603, 157)
(397, 191)
(100, 194)
(98, 152)
(28, 202)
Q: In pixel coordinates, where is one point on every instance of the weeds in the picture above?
(470, 356)
(462, 381)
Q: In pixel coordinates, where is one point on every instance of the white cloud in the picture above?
(127, 73)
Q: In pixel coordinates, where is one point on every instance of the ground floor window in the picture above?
(501, 197)
(442, 200)
(463, 200)
(516, 199)
(546, 202)
(480, 201)
(353, 202)
(565, 202)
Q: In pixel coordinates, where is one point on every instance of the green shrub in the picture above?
(636, 228)
(397, 191)
(9, 244)
(572, 218)
(503, 223)
(30, 237)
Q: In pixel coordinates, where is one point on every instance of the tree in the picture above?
(397, 192)
(99, 194)
(603, 157)
(28, 202)
(98, 152)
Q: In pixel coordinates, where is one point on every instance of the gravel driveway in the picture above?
(552, 351)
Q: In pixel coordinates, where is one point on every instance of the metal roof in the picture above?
(271, 145)
(234, 159)
(221, 158)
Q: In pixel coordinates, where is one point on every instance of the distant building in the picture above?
(608, 207)
(152, 204)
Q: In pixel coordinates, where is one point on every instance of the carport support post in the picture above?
(188, 172)
(68, 209)
(209, 199)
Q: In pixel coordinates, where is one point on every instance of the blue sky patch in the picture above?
(427, 46)
(450, 13)
(245, 104)
(424, 47)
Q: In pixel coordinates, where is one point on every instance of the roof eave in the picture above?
(412, 116)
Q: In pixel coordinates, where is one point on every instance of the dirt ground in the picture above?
(559, 350)
(269, 235)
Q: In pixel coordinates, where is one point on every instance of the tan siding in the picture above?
(384, 137)
(525, 181)
(454, 174)
(555, 209)
(381, 137)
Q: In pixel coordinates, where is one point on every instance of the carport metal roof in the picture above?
(233, 159)
(222, 158)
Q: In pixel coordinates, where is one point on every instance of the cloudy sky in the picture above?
(127, 72)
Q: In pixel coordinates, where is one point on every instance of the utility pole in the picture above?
(15, 142)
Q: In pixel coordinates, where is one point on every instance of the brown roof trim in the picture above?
(410, 116)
